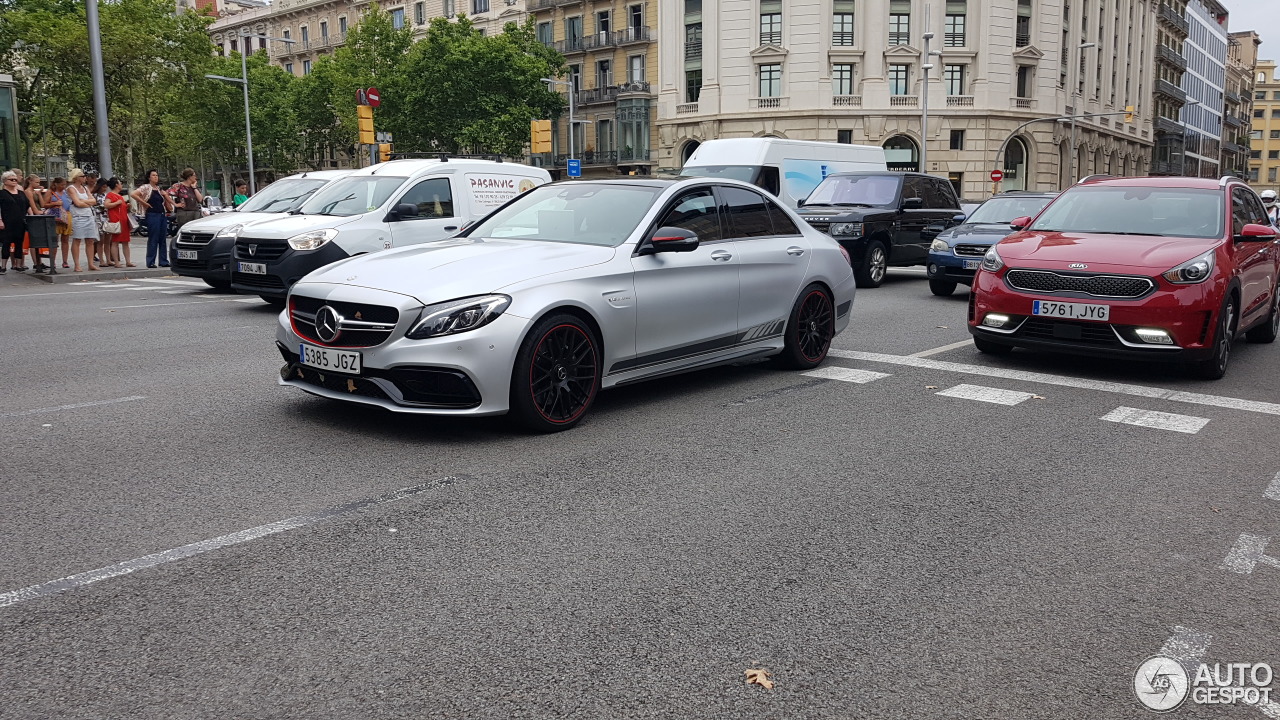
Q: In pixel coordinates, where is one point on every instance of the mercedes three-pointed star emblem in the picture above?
(328, 324)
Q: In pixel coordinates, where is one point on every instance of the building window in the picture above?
(957, 139)
(898, 79)
(953, 77)
(1275, 134)
(770, 22)
(479, 6)
(306, 32)
(1271, 175)
(1253, 175)
(844, 136)
(262, 43)
(288, 67)
(842, 23)
(1273, 155)
(575, 77)
(1256, 113)
(306, 67)
(953, 27)
(602, 23)
(1022, 32)
(604, 135)
(342, 26)
(899, 22)
(1275, 94)
(573, 32)
(635, 69)
(771, 80)
(324, 29)
(692, 85)
(450, 10)
(235, 47)
(419, 13)
(635, 17)
(1025, 80)
(842, 79)
(604, 73)
(544, 34)
(692, 41)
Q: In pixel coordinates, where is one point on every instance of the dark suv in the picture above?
(882, 218)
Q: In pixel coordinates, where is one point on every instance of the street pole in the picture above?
(1075, 109)
(572, 104)
(99, 89)
(248, 131)
(926, 66)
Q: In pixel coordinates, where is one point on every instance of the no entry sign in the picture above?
(996, 176)
(374, 97)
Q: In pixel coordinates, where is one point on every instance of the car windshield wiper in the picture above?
(852, 205)
(1135, 233)
(334, 204)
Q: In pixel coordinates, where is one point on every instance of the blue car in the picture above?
(956, 253)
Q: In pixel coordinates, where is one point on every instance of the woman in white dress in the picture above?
(83, 226)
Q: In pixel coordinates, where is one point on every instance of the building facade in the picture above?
(853, 71)
(1172, 28)
(1242, 62)
(610, 48)
(1264, 155)
(1204, 83)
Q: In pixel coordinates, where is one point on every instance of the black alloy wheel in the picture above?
(941, 288)
(1266, 332)
(810, 329)
(557, 375)
(1215, 366)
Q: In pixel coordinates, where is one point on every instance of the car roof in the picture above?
(1025, 193)
(1154, 182)
(318, 174)
(414, 166)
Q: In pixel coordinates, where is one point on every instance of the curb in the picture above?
(67, 276)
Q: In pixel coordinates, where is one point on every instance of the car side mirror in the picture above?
(960, 218)
(670, 239)
(403, 211)
(1019, 223)
(912, 203)
(1255, 232)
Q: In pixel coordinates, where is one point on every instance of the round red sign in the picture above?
(996, 175)
(375, 97)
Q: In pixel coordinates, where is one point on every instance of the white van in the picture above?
(790, 169)
(391, 204)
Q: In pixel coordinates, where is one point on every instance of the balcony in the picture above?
(535, 5)
(1232, 97)
(904, 101)
(959, 101)
(687, 108)
(1230, 147)
(1172, 17)
(842, 38)
(1168, 89)
(1168, 127)
(571, 45)
(1171, 56)
(635, 87)
(771, 38)
(899, 37)
(1024, 103)
(767, 103)
(953, 39)
(693, 50)
(847, 101)
(597, 95)
(598, 40)
(1234, 121)
(632, 35)
(1022, 39)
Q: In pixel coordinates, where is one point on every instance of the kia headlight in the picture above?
(1195, 270)
(846, 229)
(312, 239)
(939, 246)
(458, 316)
(991, 262)
(230, 231)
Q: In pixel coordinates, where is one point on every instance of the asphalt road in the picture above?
(884, 550)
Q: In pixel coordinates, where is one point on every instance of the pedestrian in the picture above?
(13, 223)
(83, 226)
(156, 203)
(100, 255)
(187, 198)
(1273, 208)
(54, 201)
(32, 188)
(117, 229)
(242, 194)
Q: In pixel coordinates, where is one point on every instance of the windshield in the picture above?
(578, 212)
(1118, 210)
(870, 190)
(999, 211)
(282, 196)
(353, 195)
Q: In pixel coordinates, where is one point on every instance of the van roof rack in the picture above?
(446, 156)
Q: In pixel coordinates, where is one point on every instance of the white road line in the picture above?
(190, 302)
(73, 292)
(835, 372)
(1246, 553)
(1145, 391)
(256, 301)
(1158, 420)
(986, 394)
(195, 283)
(147, 561)
(177, 292)
(944, 348)
(1189, 646)
(1273, 490)
(59, 408)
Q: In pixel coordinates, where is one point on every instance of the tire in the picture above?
(221, 285)
(810, 328)
(991, 348)
(556, 375)
(1267, 331)
(871, 268)
(275, 303)
(1216, 365)
(941, 288)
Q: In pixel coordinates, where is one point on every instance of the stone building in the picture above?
(1264, 155)
(1242, 62)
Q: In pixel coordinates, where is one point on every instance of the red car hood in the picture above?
(1134, 254)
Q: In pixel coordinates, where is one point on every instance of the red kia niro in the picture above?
(1163, 269)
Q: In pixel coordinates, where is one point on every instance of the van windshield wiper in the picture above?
(852, 205)
(334, 204)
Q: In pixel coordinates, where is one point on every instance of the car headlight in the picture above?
(457, 316)
(313, 239)
(1195, 270)
(991, 262)
(939, 246)
(846, 229)
(229, 231)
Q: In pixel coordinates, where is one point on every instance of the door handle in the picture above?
(721, 255)
(797, 251)
(450, 228)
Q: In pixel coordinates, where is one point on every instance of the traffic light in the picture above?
(1128, 113)
(364, 121)
(384, 152)
(540, 136)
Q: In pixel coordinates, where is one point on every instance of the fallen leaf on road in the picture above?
(759, 676)
(930, 387)
(1215, 509)
(943, 327)
(1037, 397)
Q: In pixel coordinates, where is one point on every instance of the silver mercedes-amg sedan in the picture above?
(569, 288)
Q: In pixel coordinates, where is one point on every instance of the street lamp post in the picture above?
(99, 88)
(926, 66)
(243, 81)
(572, 93)
(1075, 109)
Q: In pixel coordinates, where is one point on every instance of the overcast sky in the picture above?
(1261, 16)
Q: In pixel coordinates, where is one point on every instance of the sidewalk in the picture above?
(137, 253)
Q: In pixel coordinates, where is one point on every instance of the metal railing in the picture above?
(899, 37)
(598, 40)
(1173, 91)
(767, 103)
(692, 49)
(635, 86)
(597, 95)
(687, 108)
(953, 39)
(1168, 127)
(1024, 103)
(1171, 16)
(959, 101)
(904, 101)
(771, 38)
(633, 34)
(1022, 39)
(842, 38)
(570, 45)
(1171, 56)
(847, 100)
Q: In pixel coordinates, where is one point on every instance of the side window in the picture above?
(433, 197)
(747, 214)
(782, 224)
(1240, 210)
(912, 187)
(1256, 209)
(769, 179)
(696, 212)
(944, 196)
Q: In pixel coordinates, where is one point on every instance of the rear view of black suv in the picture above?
(882, 218)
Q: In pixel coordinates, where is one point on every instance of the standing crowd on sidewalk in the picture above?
(85, 211)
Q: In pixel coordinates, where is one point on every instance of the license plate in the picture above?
(343, 361)
(187, 255)
(1073, 311)
(972, 264)
(253, 268)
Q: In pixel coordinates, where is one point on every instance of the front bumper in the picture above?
(283, 271)
(1188, 314)
(212, 261)
(466, 374)
(946, 266)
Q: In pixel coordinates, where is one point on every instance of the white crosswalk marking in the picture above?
(834, 372)
(176, 292)
(256, 301)
(194, 283)
(1159, 420)
(987, 394)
